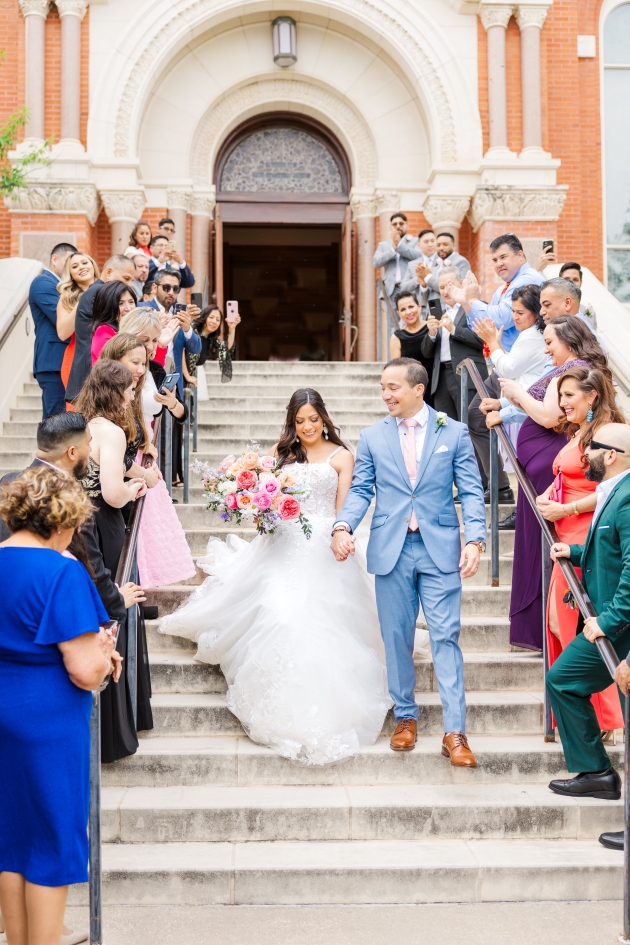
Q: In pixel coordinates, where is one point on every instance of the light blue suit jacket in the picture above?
(380, 468)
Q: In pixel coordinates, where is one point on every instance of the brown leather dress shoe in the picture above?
(455, 747)
(404, 738)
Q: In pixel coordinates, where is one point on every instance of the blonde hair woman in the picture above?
(79, 272)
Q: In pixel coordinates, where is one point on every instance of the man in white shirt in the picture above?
(561, 296)
(394, 254)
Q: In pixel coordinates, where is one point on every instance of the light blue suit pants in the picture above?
(416, 579)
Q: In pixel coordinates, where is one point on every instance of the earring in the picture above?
(297, 439)
(589, 415)
(325, 432)
(59, 531)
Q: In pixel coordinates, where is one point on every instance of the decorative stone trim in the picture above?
(496, 14)
(194, 12)
(509, 203)
(365, 204)
(56, 197)
(527, 15)
(34, 7)
(388, 200)
(72, 7)
(177, 198)
(202, 204)
(123, 204)
(446, 208)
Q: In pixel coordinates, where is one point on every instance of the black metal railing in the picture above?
(127, 571)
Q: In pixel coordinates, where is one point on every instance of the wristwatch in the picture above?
(340, 528)
(481, 545)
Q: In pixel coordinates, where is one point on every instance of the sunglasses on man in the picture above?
(170, 288)
(596, 445)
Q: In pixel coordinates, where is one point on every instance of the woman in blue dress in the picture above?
(52, 653)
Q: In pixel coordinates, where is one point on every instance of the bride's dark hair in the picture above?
(290, 451)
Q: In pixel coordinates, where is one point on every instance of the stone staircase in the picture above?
(201, 815)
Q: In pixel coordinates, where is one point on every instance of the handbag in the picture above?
(557, 490)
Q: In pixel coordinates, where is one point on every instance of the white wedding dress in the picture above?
(296, 633)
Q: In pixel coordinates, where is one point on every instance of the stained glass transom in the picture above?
(284, 160)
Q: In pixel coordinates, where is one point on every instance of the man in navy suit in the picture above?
(169, 258)
(49, 350)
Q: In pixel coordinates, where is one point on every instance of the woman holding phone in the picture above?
(218, 343)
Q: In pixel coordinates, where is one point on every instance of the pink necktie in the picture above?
(411, 463)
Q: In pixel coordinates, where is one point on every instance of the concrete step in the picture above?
(479, 599)
(357, 812)
(479, 634)
(210, 434)
(499, 712)
(209, 412)
(267, 400)
(357, 871)
(176, 671)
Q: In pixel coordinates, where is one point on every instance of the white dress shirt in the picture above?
(525, 361)
(422, 418)
(603, 491)
(445, 335)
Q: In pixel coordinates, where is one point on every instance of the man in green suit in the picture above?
(580, 671)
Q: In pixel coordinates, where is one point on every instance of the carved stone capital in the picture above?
(56, 197)
(446, 208)
(123, 204)
(71, 7)
(516, 203)
(202, 204)
(534, 15)
(365, 204)
(177, 198)
(496, 14)
(35, 7)
(388, 200)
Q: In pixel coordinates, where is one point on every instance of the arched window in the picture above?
(616, 57)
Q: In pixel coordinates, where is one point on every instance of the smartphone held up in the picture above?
(231, 312)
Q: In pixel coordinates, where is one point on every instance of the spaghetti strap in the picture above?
(334, 453)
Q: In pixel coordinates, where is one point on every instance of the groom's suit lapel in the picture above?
(433, 432)
(393, 441)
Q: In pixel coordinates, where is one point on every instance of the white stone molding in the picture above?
(531, 15)
(150, 58)
(365, 203)
(202, 203)
(178, 198)
(56, 197)
(223, 115)
(72, 8)
(389, 200)
(123, 204)
(34, 7)
(495, 14)
(509, 203)
(446, 208)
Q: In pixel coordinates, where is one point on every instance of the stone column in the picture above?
(364, 210)
(530, 20)
(388, 203)
(124, 209)
(446, 212)
(177, 199)
(35, 13)
(495, 18)
(201, 210)
(71, 12)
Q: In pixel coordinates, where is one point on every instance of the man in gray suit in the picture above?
(395, 253)
(422, 276)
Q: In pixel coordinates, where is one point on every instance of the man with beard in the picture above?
(579, 671)
(63, 442)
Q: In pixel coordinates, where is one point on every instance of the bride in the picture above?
(296, 633)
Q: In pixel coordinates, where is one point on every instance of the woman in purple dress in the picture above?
(571, 344)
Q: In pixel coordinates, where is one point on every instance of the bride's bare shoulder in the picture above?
(342, 460)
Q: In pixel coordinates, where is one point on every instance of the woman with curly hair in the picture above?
(52, 654)
(79, 272)
(105, 401)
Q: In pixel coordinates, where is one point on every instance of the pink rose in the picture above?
(250, 460)
(271, 487)
(230, 501)
(268, 463)
(246, 479)
(286, 481)
(227, 462)
(262, 501)
(234, 469)
(243, 500)
(288, 508)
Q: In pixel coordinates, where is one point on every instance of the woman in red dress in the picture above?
(587, 400)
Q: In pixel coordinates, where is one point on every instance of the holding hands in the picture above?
(469, 561)
(342, 544)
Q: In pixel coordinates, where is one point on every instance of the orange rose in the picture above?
(250, 460)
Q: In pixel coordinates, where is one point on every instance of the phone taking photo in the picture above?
(435, 308)
(196, 298)
(169, 383)
(232, 312)
(547, 246)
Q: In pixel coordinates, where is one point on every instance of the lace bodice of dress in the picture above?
(321, 480)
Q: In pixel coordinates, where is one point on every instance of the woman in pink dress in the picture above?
(111, 302)
(587, 400)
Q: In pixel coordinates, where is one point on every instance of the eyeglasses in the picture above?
(170, 288)
(596, 445)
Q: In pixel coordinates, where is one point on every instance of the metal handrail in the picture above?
(127, 570)
(186, 462)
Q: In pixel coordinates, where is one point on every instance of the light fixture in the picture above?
(284, 41)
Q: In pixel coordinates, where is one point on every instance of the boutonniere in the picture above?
(441, 419)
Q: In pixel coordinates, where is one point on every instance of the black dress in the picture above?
(411, 347)
(118, 733)
(158, 373)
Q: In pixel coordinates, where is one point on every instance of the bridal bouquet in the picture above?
(250, 485)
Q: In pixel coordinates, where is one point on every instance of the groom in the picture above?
(411, 460)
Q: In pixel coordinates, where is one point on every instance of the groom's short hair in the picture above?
(416, 372)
